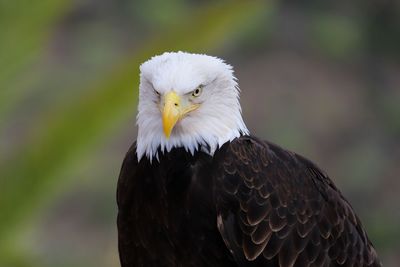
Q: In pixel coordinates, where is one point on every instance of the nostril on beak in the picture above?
(176, 104)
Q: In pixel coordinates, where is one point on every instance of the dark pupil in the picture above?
(196, 92)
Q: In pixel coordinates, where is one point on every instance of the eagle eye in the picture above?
(197, 91)
(156, 92)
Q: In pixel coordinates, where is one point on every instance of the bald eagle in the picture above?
(196, 189)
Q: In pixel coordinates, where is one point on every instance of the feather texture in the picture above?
(293, 216)
(252, 204)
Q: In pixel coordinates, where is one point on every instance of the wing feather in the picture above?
(126, 243)
(276, 207)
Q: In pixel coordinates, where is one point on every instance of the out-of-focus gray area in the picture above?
(321, 78)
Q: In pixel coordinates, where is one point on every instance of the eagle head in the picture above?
(187, 100)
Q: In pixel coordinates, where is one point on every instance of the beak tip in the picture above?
(167, 133)
(170, 113)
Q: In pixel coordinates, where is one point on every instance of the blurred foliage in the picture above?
(66, 133)
(338, 36)
(25, 28)
(69, 78)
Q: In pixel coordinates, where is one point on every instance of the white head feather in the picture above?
(218, 118)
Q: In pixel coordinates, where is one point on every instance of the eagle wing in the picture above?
(276, 208)
(125, 186)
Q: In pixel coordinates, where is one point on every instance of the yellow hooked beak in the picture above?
(174, 109)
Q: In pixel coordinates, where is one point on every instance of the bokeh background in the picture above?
(321, 78)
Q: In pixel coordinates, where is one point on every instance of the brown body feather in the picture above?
(252, 204)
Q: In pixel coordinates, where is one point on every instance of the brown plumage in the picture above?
(251, 204)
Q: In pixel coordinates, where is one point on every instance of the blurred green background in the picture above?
(321, 78)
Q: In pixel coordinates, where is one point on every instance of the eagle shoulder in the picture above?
(276, 207)
(125, 186)
(125, 179)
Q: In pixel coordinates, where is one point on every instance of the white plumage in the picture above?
(217, 119)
